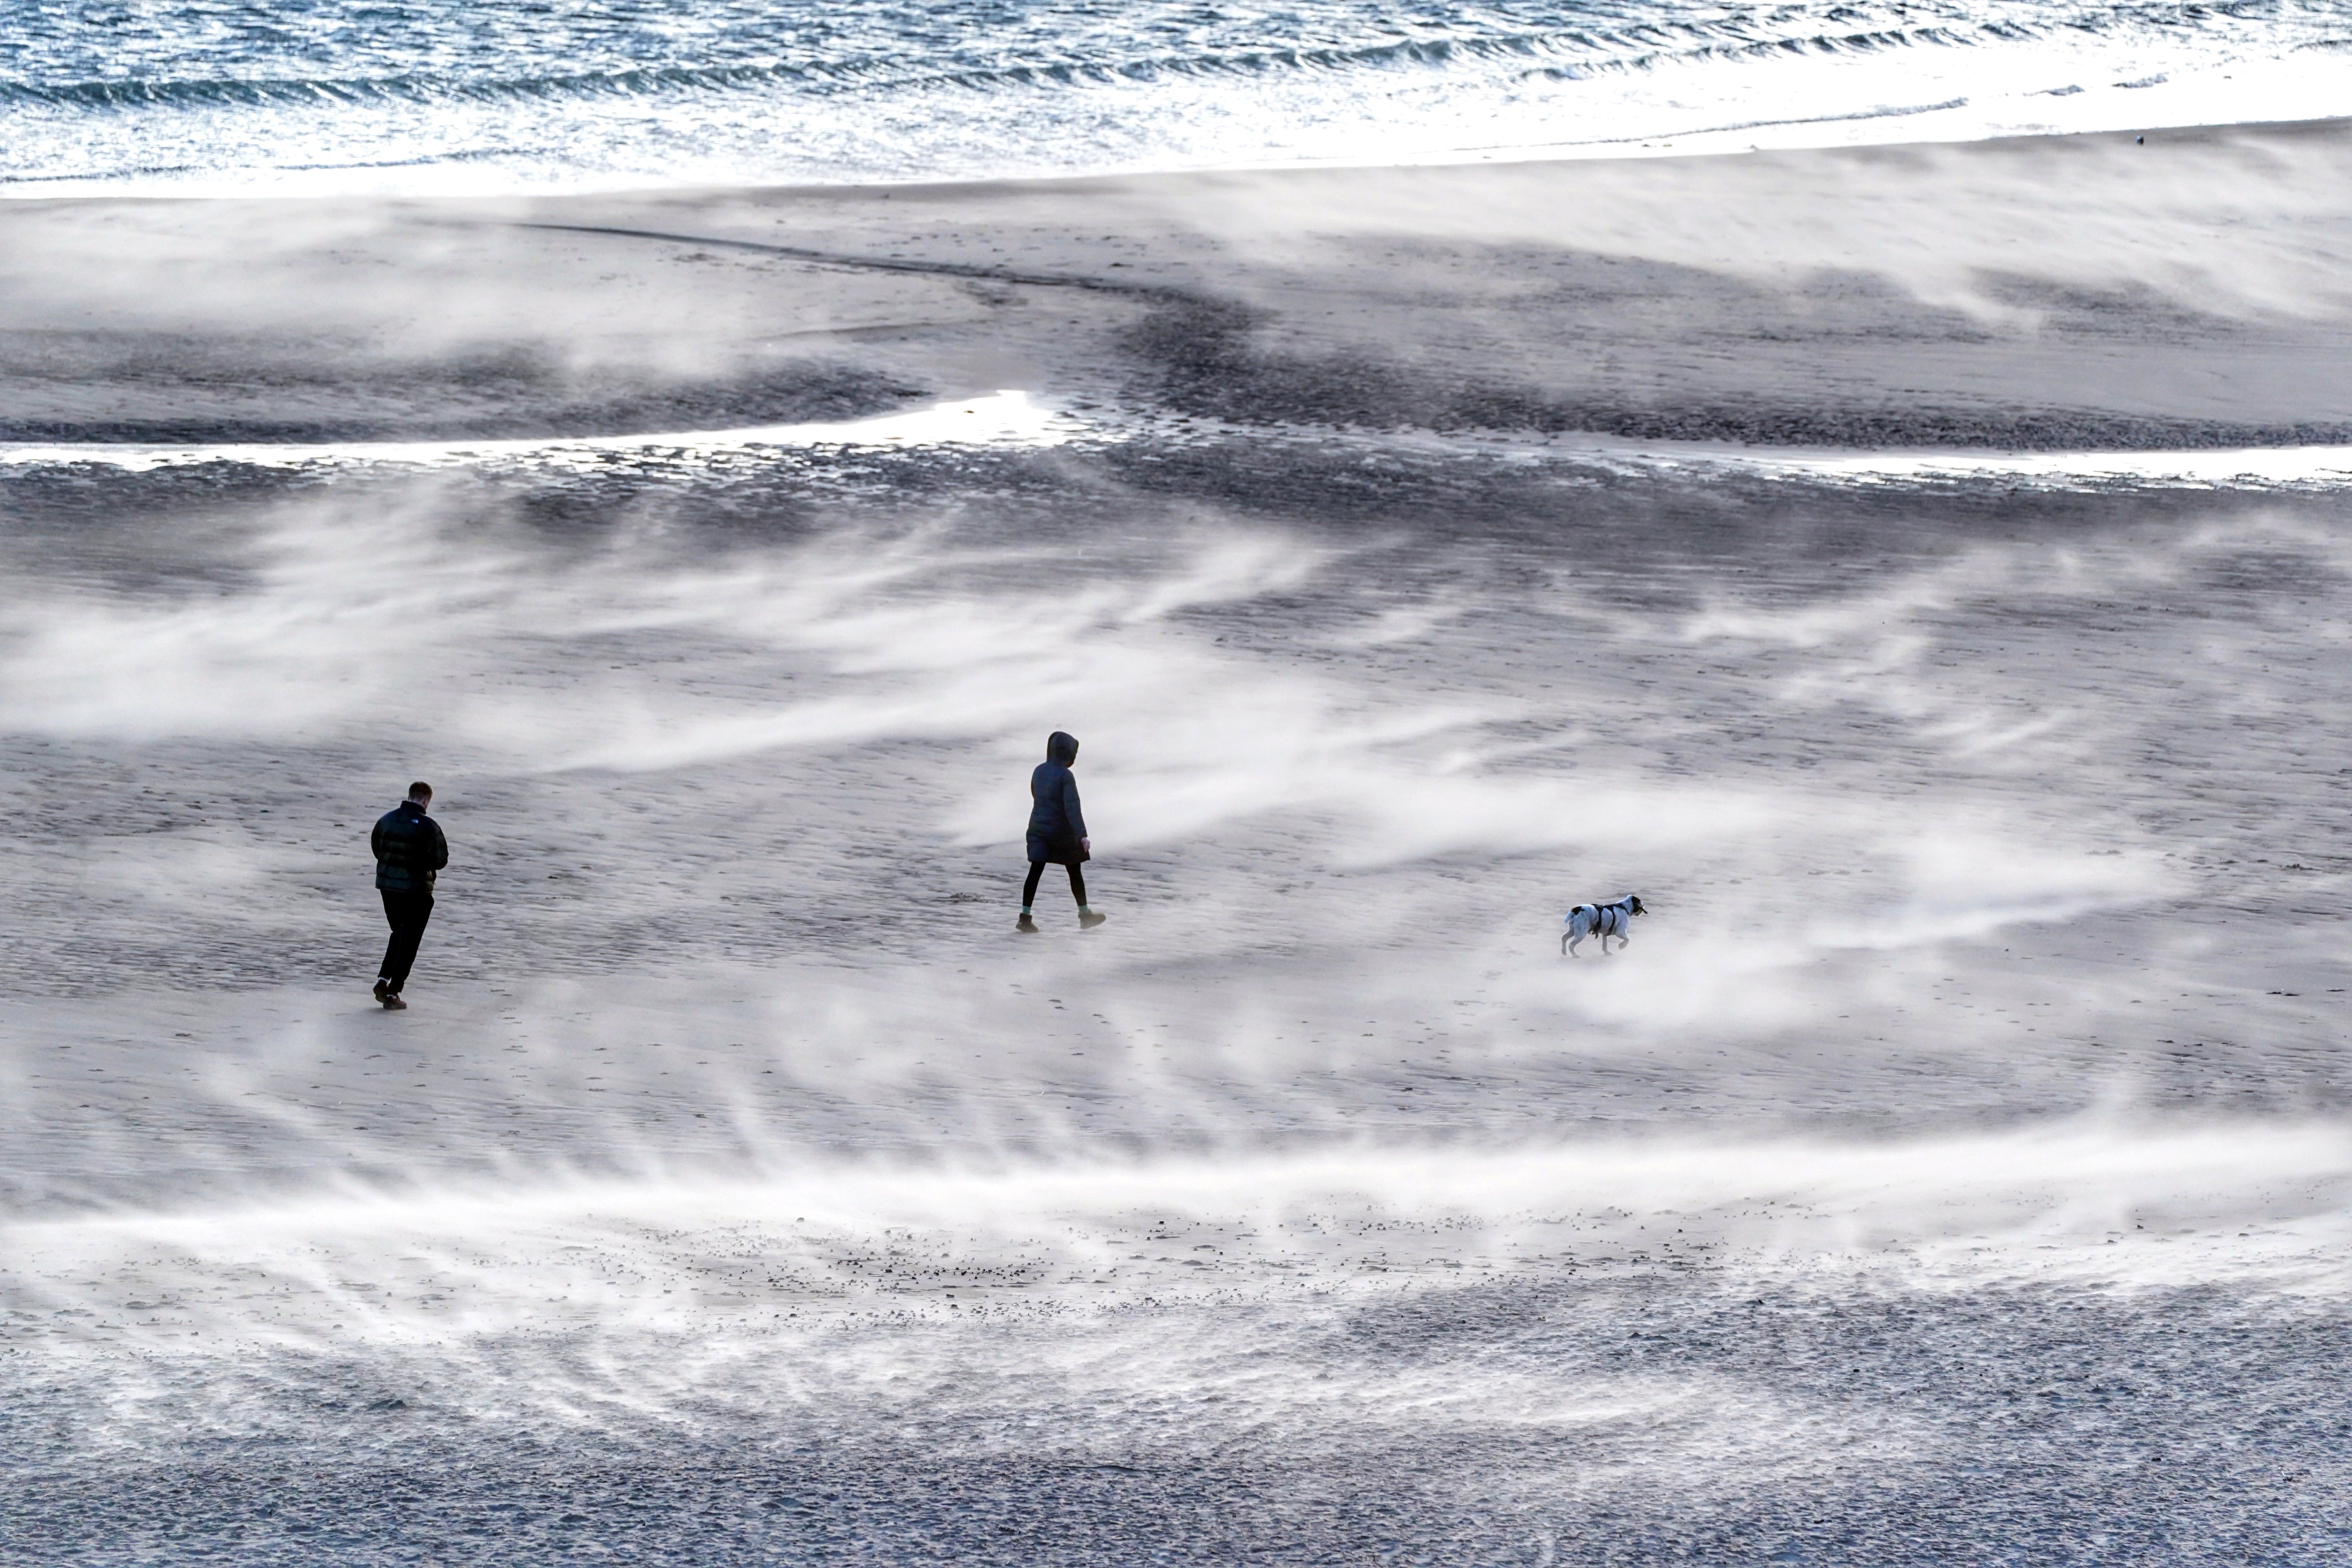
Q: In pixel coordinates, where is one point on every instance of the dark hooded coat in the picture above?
(1056, 824)
(408, 850)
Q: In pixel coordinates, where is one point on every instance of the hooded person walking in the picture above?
(1057, 830)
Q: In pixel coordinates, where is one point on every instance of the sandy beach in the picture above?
(2181, 288)
(1953, 1168)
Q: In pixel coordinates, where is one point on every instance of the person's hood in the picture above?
(1061, 747)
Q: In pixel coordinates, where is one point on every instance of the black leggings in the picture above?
(1037, 870)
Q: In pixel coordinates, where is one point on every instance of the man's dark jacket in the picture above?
(408, 850)
(1055, 823)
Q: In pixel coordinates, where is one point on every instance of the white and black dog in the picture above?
(1604, 920)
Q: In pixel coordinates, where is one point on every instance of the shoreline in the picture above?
(1006, 421)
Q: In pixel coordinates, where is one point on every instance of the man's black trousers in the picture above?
(1037, 870)
(407, 913)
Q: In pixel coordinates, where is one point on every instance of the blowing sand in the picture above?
(1953, 1167)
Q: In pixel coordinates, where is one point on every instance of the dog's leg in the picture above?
(1563, 944)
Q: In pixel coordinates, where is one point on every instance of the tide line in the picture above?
(1002, 418)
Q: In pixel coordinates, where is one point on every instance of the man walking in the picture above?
(1057, 830)
(409, 849)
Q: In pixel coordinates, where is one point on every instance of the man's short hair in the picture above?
(420, 790)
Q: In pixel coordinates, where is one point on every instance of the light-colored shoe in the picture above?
(1088, 921)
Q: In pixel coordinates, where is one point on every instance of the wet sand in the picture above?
(2067, 292)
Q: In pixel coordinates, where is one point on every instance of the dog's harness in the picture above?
(1608, 919)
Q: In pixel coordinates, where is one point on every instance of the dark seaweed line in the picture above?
(891, 263)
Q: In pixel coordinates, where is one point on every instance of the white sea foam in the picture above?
(1010, 418)
(1004, 419)
(2252, 468)
(2317, 467)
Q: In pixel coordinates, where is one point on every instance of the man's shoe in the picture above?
(1089, 920)
(1026, 924)
(392, 1004)
(383, 988)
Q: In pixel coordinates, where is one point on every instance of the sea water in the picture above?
(434, 98)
